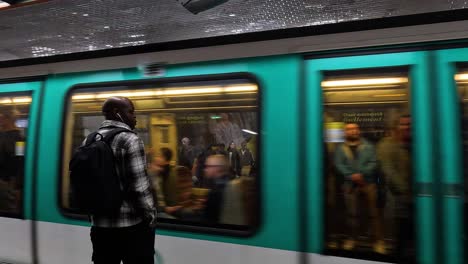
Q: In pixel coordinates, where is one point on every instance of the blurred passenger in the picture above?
(355, 161)
(186, 154)
(199, 178)
(394, 154)
(187, 207)
(246, 157)
(216, 170)
(10, 135)
(164, 179)
(220, 148)
(11, 162)
(234, 159)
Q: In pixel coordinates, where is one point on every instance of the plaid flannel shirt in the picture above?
(139, 203)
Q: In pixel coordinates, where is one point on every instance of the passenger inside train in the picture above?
(368, 164)
(12, 137)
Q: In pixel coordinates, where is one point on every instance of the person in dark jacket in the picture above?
(234, 159)
(245, 156)
(216, 170)
(394, 155)
(186, 153)
(11, 163)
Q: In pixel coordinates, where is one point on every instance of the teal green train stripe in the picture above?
(34, 89)
(422, 126)
(279, 79)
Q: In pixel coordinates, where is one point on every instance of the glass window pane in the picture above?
(462, 84)
(183, 125)
(367, 138)
(14, 120)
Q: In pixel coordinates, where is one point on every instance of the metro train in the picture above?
(286, 100)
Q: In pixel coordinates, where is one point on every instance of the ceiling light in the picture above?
(461, 77)
(364, 82)
(83, 97)
(189, 91)
(22, 100)
(241, 88)
(16, 100)
(389, 95)
(169, 92)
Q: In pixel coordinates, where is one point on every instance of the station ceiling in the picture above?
(60, 27)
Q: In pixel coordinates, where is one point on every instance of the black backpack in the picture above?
(96, 188)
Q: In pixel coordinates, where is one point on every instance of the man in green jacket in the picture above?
(356, 161)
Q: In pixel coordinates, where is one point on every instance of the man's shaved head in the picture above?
(113, 103)
(119, 109)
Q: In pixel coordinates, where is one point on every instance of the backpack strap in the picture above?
(111, 134)
(92, 137)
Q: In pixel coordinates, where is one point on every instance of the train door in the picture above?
(452, 95)
(164, 132)
(369, 159)
(19, 110)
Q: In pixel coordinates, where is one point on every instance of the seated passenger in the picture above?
(239, 202)
(355, 161)
(217, 172)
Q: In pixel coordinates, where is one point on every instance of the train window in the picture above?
(367, 163)
(14, 116)
(462, 83)
(183, 125)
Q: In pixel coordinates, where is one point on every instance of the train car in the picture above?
(287, 101)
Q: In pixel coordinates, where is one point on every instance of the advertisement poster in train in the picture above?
(372, 122)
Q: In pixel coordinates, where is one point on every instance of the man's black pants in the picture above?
(131, 245)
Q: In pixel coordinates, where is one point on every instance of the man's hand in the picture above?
(151, 218)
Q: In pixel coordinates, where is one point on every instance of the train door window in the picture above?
(14, 117)
(462, 84)
(183, 125)
(367, 162)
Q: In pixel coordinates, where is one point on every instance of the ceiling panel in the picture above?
(69, 26)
